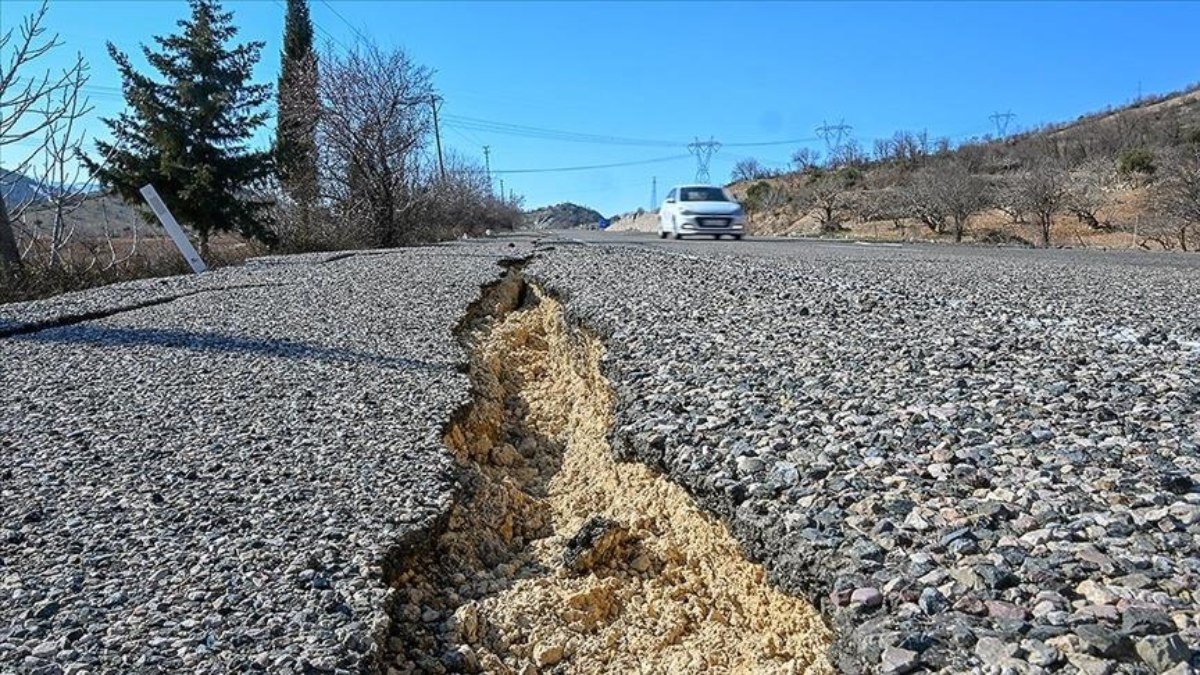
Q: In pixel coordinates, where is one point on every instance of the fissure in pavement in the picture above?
(558, 558)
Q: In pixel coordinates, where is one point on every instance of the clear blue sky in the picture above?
(740, 72)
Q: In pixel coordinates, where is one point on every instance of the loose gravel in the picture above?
(218, 481)
(970, 460)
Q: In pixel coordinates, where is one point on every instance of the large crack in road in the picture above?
(559, 558)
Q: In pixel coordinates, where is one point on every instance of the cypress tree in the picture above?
(189, 133)
(296, 130)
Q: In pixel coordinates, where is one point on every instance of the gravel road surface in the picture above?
(969, 459)
(215, 481)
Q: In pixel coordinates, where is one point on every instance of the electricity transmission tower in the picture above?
(834, 134)
(704, 151)
(654, 192)
(1001, 120)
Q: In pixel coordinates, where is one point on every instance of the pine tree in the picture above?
(189, 134)
(296, 130)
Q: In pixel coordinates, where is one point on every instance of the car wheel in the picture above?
(737, 237)
(662, 234)
(679, 235)
(716, 237)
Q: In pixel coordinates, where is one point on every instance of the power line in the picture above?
(793, 141)
(477, 124)
(348, 24)
(614, 165)
(319, 27)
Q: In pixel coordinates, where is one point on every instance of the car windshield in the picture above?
(702, 194)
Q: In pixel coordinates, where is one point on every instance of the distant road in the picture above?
(808, 247)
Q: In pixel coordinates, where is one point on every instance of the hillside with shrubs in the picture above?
(1120, 178)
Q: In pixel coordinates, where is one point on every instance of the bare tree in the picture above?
(1090, 189)
(375, 120)
(1176, 193)
(805, 159)
(826, 196)
(749, 169)
(957, 193)
(1042, 191)
(922, 202)
(848, 154)
(887, 203)
(462, 201)
(34, 107)
(1007, 198)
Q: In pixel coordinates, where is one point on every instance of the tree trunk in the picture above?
(1045, 223)
(959, 226)
(56, 234)
(10, 255)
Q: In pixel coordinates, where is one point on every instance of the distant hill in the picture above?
(18, 189)
(97, 214)
(565, 216)
(1107, 163)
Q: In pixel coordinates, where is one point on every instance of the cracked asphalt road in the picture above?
(941, 445)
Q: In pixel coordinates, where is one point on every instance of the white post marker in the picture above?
(173, 229)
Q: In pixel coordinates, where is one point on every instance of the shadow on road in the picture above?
(105, 336)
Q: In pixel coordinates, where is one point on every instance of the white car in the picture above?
(701, 209)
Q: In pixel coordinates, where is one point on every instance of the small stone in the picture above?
(1163, 652)
(1095, 593)
(1093, 612)
(896, 661)
(969, 604)
(991, 649)
(1103, 641)
(914, 521)
(547, 655)
(1146, 621)
(749, 465)
(867, 597)
(1090, 665)
(45, 610)
(932, 601)
(841, 597)
(1041, 654)
(45, 650)
(640, 563)
(1005, 610)
(468, 659)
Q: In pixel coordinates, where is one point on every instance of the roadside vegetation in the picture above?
(351, 164)
(1124, 178)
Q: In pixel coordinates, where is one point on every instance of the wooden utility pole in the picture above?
(487, 165)
(437, 134)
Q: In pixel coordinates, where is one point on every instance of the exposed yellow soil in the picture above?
(651, 585)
